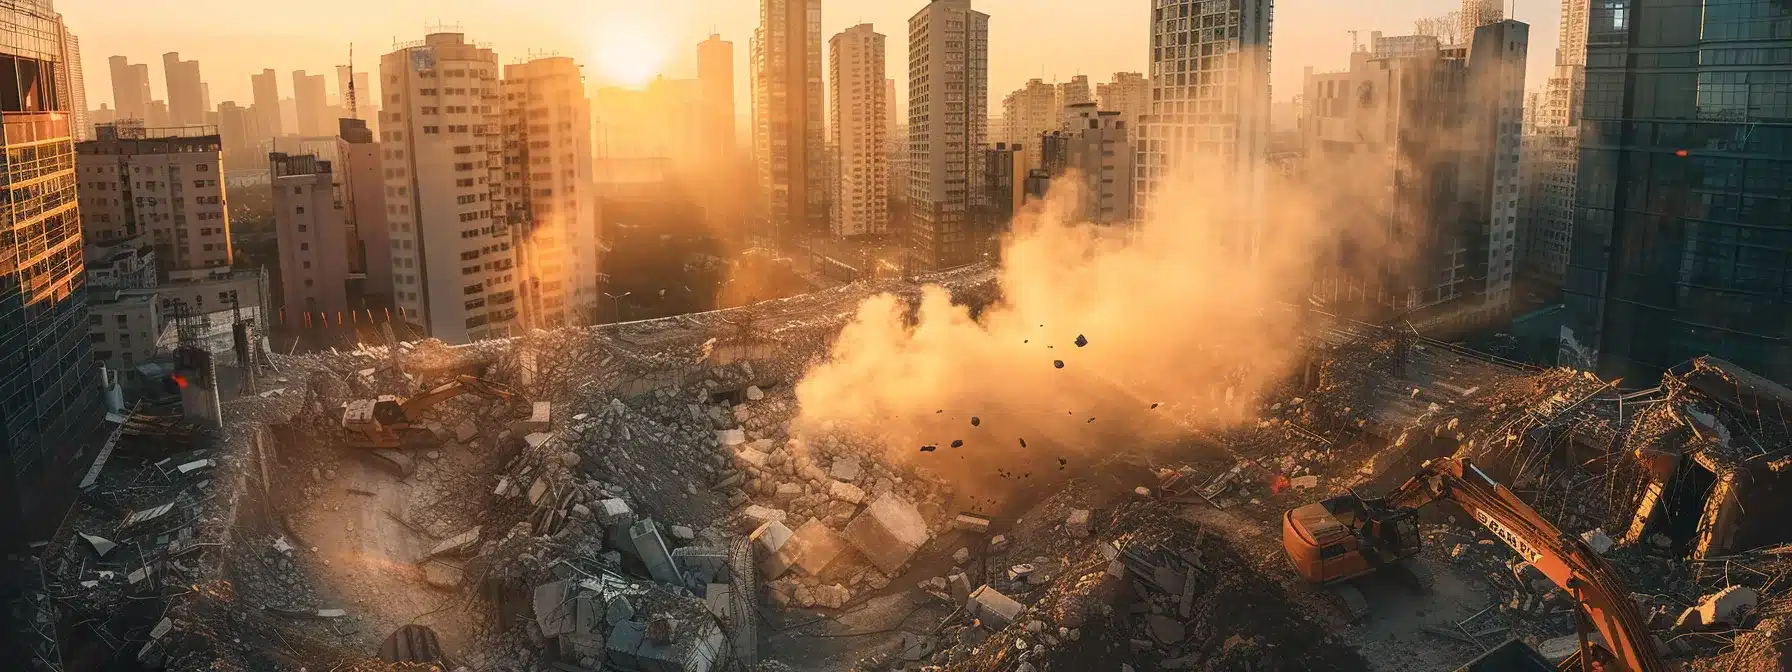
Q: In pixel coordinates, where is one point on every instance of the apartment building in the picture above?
(163, 183)
(857, 132)
(549, 196)
(454, 274)
(948, 124)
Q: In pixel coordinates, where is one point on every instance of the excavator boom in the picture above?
(1565, 559)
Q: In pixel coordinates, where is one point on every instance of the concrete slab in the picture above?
(537, 420)
(845, 469)
(652, 550)
(992, 608)
(816, 547)
(846, 492)
(457, 544)
(761, 514)
(553, 611)
(888, 532)
(731, 437)
(769, 542)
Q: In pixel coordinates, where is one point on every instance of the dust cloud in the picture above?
(1177, 311)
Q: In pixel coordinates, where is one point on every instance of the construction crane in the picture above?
(380, 424)
(1349, 536)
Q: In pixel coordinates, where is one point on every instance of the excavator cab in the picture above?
(1345, 537)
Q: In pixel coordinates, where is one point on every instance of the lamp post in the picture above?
(618, 300)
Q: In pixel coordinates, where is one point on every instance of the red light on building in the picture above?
(1680, 153)
(180, 381)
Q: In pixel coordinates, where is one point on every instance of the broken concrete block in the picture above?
(457, 544)
(787, 492)
(846, 492)
(699, 566)
(754, 393)
(731, 437)
(760, 514)
(888, 532)
(537, 420)
(961, 588)
(1021, 571)
(683, 533)
(536, 440)
(992, 608)
(1598, 540)
(845, 469)
(553, 611)
(1077, 523)
(753, 458)
(769, 542)
(614, 512)
(961, 556)
(1307, 482)
(1725, 606)
(815, 546)
(998, 543)
(652, 550)
(465, 431)
(970, 523)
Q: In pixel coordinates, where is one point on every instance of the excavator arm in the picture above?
(1565, 559)
(414, 406)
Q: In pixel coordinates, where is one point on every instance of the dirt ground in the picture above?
(369, 558)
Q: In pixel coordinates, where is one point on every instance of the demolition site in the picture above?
(646, 496)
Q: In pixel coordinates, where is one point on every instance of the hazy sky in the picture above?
(617, 39)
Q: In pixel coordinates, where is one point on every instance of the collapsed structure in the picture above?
(655, 510)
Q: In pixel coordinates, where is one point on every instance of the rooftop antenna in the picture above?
(1353, 48)
(348, 97)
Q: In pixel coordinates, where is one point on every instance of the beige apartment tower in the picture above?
(548, 186)
(858, 129)
(948, 119)
(164, 183)
(454, 275)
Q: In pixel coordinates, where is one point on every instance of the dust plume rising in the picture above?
(1175, 312)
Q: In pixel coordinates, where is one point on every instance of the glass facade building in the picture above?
(1682, 235)
(49, 386)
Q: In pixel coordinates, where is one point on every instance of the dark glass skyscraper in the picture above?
(49, 386)
(1682, 241)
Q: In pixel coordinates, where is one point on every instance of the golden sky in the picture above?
(619, 39)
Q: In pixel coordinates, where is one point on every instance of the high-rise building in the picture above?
(1477, 13)
(1209, 103)
(1128, 94)
(312, 104)
(1552, 155)
(239, 129)
(49, 387)
(1074, 92)
(130, 88)
(1102, 157)
(454, 275)
(948, 121)
(857, 131)
(311, 227)
(186, 93)
(1005, 169)
(156, 115)
(1029, 112)
(789, 121)
(1496, 65)
(549, 198)
(715, 70)
(357, 168)
(162, 182)
(1679, 246)
(1431, 133)
(267, 102)
(74, 83)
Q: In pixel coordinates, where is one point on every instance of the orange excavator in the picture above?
(381, 424)
(1349, 536)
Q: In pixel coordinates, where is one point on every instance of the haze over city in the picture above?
(896, 336)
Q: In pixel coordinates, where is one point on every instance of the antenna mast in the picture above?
(348, 96)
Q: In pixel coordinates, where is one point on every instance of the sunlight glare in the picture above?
(629, 51)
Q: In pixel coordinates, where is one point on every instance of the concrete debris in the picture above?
(754, 393)
(1598, 540)
(846, 492)
(888, 532)
(651, 549)
(1725, 607)
(971, 523)
(993, 609)
(1077, 523)
(458, 544)
(814, 547)
(769, 540)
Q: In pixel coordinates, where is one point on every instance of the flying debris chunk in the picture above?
(1154, 404)
(929, 448)
(976, 421)
(1091, 419)
(1062, 461)
(1058, 363)
(1023, 443)
(958, 443)
(1081, 341)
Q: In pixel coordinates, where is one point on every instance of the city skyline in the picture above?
(1054, 40)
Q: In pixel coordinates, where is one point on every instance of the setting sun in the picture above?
(629, 52)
